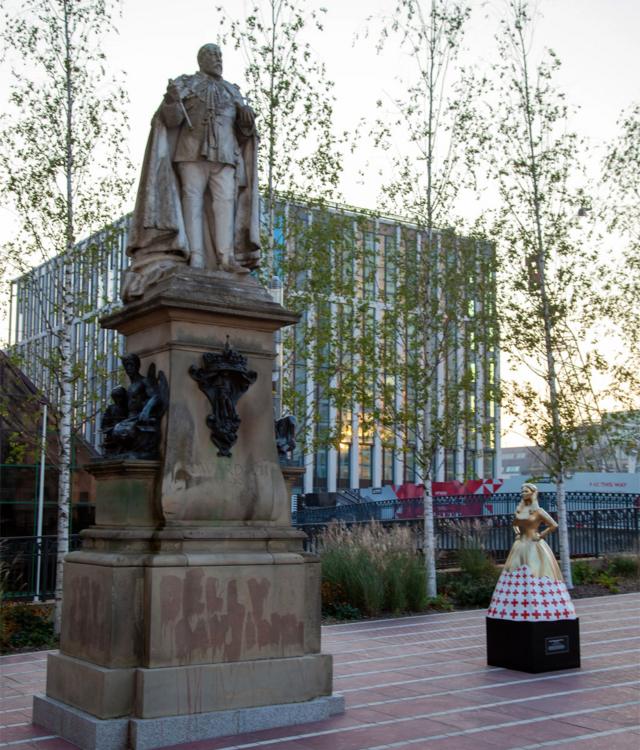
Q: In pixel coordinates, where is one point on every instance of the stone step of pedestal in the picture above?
(90, 733)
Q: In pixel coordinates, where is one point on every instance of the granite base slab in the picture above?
(78, 727)
(90, 733)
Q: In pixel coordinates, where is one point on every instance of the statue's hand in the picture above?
(172, 95)
(245, 117)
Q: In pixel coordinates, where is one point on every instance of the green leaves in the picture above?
(65, 124)
(58, 146)
(306, 245)
(619, 210)
(441, 314)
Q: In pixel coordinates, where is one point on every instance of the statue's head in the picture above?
(131, 364)
(529, 493)
(210, 59)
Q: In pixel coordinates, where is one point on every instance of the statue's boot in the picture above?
(196, 259)
(231, 265)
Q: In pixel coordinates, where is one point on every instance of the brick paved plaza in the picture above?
(422, 682)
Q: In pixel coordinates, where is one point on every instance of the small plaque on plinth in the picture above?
(533, 646)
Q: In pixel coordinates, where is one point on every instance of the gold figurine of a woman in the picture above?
(531, 586)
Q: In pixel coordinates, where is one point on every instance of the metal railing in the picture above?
(454, 506)
(599, 524)
(592, 533)
(19, 560)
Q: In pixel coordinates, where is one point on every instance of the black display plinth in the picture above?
(533, 646)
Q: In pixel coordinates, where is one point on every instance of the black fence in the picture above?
(19, 560)
(599, 523)
(457, 506)
(592, 533)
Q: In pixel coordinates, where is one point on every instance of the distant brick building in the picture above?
(20, 455)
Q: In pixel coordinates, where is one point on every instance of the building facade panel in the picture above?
(376, 262)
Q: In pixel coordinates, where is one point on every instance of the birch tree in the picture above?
(425, 129)
(64, 172)
(288, 88)
(549, 291)
(300, 162)
(620, 211)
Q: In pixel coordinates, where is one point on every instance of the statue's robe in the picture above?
(157, 237)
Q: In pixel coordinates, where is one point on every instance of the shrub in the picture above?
(440, 602)
(468, 591)
(346, 612)
(625, 566)
(606, 572)
(604, 578)
(10, 577)
(25, 626)
(372, 568)
(583, 572)
(475, 563)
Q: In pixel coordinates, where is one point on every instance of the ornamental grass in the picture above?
(368, 569)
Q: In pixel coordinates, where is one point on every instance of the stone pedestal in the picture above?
(191, 608)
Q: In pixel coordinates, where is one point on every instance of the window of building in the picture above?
(387, 465)
(278, 245)
(409, 466)
(369, 265)
(324, 407)
(365, 464)
(390, 269)
(449, 466)
(344, 463)
(321, 465)
(489, 465)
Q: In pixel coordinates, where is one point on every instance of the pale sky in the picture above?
(596, 41)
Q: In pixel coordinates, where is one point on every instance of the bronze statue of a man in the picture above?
(198, 195)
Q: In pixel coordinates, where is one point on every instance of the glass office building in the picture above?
(341, 449)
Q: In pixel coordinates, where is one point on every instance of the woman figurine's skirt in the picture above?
(530, 587)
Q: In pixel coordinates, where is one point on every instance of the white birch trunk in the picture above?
(563, 531)
(430, 446)
(64, 461)
(429, 540)
(271, 149)
(310, 413)
(479, 416)
(460, 431)
(64, 339)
